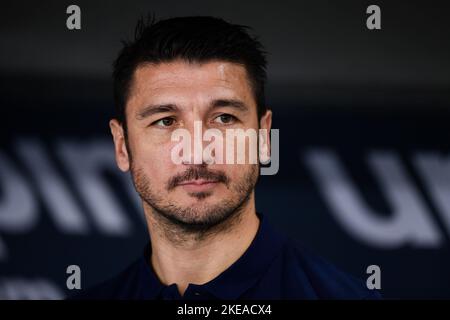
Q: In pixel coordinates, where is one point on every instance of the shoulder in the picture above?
(324, 279)
(117, 287)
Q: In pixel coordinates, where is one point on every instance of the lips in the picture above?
(199, 185)
(197, 182)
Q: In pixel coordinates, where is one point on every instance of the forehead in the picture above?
(181, 80)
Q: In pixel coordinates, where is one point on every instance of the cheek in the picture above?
(155, 160)
(235, 172)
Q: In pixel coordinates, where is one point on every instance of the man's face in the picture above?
(167, 96)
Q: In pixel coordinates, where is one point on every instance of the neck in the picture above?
(198, 259)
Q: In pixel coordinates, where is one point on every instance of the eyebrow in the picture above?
(170, 107)
(240, 105)
(153, 109)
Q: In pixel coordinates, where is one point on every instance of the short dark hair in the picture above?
(194, 39)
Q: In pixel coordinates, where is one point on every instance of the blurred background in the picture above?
(364, 175)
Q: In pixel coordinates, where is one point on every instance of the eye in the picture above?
(164, 122)
(226, 118)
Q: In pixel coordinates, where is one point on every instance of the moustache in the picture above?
(195, 173)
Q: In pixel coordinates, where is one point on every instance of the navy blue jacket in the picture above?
(273, 267)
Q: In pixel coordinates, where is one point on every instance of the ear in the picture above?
(266, 124)
(120, 147)
(266, 120)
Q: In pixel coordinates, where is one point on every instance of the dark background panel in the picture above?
(339, 92)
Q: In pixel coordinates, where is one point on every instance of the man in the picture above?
(207, 241)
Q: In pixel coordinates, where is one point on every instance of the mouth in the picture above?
(198, 185)
(197, 182)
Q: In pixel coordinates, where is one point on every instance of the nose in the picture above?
(199, 153)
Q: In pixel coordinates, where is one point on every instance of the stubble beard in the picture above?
(182, 223)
